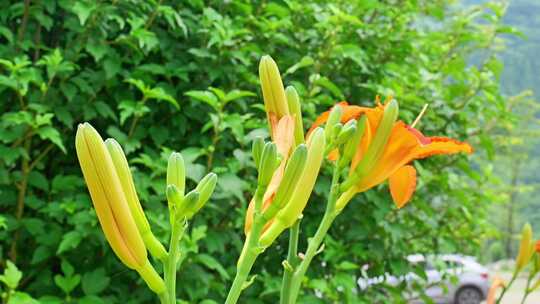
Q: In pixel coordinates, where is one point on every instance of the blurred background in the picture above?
(162, 76)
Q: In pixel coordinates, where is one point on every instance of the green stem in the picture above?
(163, 298)
(505, 288)
(527, 287)
(294, 231)
(314, 243)
(251, 250)
(171, 263)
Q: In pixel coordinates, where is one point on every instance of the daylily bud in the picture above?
(275, 101)
(267, 166)
(354, 142)
(175, 198)
(205, 188)
(333, 118)
(256, 150)
(346, 133)
(191, 201)
(295, 110)
(336, 130)
(296, 204)
(176, 172)
(378, 144)
(111, 205)
(122, 169)
(526, 248)
(291, 177)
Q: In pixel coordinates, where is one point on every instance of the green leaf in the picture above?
(83, 10)
(304, 62)
(22, 298)
(69, 241)
(206, 97)
(11, 276)
(213, 264)
(95, 282)
(38, 180)
(53, 135)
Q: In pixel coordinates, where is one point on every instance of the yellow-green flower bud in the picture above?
(176, 172)
(346, 133)
(293, 209)
(377, 145)
(205, 188)
(256, 150)
(333, 118)
(295, 110)
(291, 177)
(175, 199)
(336, 130)
(267, 166)
(526, 248)
(352, 145)
(190, 202)
(275, 101)
(122, 169)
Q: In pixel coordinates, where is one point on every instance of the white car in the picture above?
(450, 279)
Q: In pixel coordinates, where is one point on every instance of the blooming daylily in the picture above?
(404, 144)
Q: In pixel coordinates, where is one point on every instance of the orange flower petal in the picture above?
(349, 112)
(402, 185)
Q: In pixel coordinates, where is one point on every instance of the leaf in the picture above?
(83, 10)
(69, 241)
(213, 264)
(95, 282)
(53, 135)
(206, 97)
(22, 298)
(304, 62)
(67, 283)
(12, 276)
(38, 180)
(237, 94)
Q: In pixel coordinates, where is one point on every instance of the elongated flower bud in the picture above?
(336, 130)
(526, 248)
(295, 110)
(378, 144)
(275, 101)
(190, 202)
(346, 133)
(256, 150)
(176, 199)
(354, 142)
(126, 180)
(176, 172)
(291, 177)
(205, 188)
(269, 161)
(294, 207)
(333, 118)
(111, 205)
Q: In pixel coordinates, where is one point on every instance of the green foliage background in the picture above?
(162, 75)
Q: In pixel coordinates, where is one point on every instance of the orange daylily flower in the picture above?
(404, 145)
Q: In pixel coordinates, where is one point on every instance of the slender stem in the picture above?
(528, 285)
(163, 298)
(505, 288)
(171, 264)
(294, 231)
(314, 243)
(251, 250)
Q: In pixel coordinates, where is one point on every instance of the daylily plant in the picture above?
(364, 146)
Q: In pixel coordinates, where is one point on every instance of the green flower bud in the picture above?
(346, 133)
(352, 145)
(333, 119)
(176, 199)
(336, 130)
(256, 150)
(205, 188)
(291, 177)
(377, 145)
(176, 172)
(295, 110)
(191, 201)
(269, 160)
